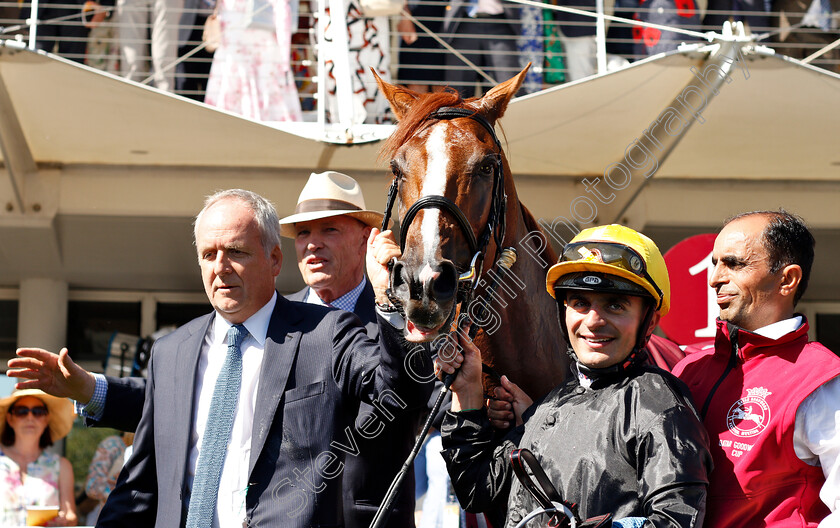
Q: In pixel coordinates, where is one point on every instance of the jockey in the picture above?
(619, 437)
(618, 260)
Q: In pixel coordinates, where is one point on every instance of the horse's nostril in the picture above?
(396, 274)
(443, 287)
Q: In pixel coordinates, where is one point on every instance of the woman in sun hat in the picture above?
(30, 421)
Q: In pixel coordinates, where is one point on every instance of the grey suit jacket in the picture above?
(318, 363)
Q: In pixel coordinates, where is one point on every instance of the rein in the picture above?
(468, 279)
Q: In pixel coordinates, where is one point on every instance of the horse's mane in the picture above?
(416, 116)
(548, 254)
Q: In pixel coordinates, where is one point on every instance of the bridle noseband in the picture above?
(468, 279)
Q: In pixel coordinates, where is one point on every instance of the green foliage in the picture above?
(80, 446)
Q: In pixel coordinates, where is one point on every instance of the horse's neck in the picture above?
(527, 343)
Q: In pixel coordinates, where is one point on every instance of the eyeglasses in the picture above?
(21, 411)
(614, 254)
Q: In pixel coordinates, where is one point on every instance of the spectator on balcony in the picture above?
(486, 33)
(577, 35)
(686, 14)
(421, 57)
(192, 73)
(819, 28)
(368, 46)
(754, 13)
(67, 37)
(161, 17)
(251, 73)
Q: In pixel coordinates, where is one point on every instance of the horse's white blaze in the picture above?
(437, 161)
(427, 273)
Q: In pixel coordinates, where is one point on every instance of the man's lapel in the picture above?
(366, 311)
(281, 346)
(186, 360)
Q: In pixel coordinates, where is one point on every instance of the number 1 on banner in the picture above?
(711, 296)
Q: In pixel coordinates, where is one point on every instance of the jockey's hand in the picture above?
(460, 352)
(55, 374)
(510, 402)
(381, 249)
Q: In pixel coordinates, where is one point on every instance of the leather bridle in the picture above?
(495, 227)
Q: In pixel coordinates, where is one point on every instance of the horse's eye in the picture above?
(486, 168)
(395, 170)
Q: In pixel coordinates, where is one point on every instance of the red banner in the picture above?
(693, 303)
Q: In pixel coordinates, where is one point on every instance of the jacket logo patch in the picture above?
(749, 416)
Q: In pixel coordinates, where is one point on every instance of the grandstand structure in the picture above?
(101, 176)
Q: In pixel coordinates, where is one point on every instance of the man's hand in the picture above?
(405, 28)
(381, 249)
(54, 374)
(510, 402)
(467, 392)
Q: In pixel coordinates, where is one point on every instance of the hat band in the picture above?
(327, 204)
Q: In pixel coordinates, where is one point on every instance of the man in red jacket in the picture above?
(769, 398)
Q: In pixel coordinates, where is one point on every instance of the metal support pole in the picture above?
(601, 37)
(320, 79)
(33, 25)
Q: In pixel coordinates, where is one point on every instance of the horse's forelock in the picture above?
(416, 116)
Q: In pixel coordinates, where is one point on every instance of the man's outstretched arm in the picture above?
(54, 374)
(119, 402)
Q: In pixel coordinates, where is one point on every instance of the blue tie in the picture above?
(208, 470)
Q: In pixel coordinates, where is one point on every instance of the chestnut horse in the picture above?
(459, 208)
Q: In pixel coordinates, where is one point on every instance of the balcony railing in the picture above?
(536, 37)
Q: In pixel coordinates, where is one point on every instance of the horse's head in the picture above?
(450, 171)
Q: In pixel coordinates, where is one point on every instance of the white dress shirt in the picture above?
(816, 433)
(230, 507)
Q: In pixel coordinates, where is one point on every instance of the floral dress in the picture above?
(38, 488)
(251, 73)
(103, 470)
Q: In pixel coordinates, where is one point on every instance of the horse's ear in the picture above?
(400, 98)
(494, 102)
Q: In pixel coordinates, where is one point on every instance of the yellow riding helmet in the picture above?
(619, 251)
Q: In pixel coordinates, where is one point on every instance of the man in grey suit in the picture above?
(485, 32)
(301, 368)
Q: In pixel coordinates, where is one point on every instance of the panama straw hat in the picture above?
(329, 194)
(61, 411)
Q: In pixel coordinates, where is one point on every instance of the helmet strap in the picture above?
(642, 337)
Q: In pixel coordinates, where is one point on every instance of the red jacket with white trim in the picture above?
(748, 388)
